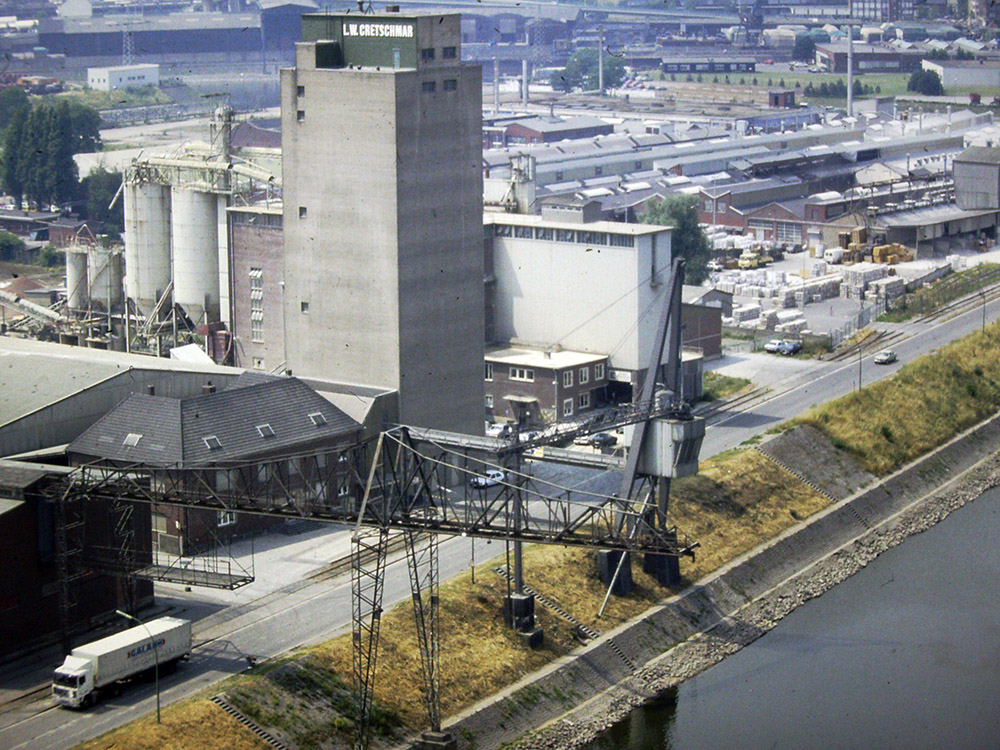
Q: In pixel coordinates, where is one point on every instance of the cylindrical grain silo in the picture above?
(195, 231)
(76, 278)
(104, 276)
(147, 243)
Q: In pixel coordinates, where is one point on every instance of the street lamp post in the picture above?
(156, 656)
(983, 295)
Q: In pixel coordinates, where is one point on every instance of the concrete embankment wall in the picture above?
(757, 577)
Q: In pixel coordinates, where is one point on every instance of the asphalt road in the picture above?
(311, 613)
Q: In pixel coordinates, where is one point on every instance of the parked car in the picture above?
(885, 357)
(790, 347)
(773, 345)
(603, 440)
(491, 478)
(582, 440)
(714, 265)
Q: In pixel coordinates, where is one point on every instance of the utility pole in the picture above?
(850, 70)
(600, 59)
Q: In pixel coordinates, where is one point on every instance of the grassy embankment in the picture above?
(716, 386)
(121, 99)
(929, 298)
(739, 499)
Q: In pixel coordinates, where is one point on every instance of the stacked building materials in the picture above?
(891, 254)
(818, 269)
(790, 321)
(887, 289)
(858, 277)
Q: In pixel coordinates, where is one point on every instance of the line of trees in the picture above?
(39, 143)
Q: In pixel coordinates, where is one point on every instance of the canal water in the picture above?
(904, 654)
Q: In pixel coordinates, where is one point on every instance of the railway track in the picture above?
(736, 403)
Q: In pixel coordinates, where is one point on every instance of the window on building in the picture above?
(559, 176)
(132, 439)
(488, 400)
(522, 373)
(565, 235)
(427, 53)
(258, 363)
(599, 371)
(583, 400)
(300, 90)
(503, 230)
(304, 307)
(225, 518)
(524, 233)
(598, 171)
(544, 233)
(303, 212)
(567, 407)
(317, 418)
(787, 231)
(428, 87)
(621, 240)
(489, 371)
(584, 375)
(568, 379)
(449, 53)
(449, 84)
(257, 305)
(265, 430)
(300, 115)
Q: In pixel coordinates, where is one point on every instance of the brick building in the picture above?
(543, 386)
(29, 579)
(257, 290)
(255, 418)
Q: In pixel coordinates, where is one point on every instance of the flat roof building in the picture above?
(382, 179)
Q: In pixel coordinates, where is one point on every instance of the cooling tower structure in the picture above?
(194, 226)
(147, 243)
(77, 297)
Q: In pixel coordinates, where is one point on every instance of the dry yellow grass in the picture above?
(738, 500)
(925, 404)
(192, 724)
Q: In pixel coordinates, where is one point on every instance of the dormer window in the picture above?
(265, 430)
(212, 442)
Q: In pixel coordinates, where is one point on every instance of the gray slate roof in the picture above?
(980, 155)
(173, 431)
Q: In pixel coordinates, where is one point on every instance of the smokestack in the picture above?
(600, 60)
(524, 82)
(850, 71)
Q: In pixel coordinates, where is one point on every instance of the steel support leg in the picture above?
(422, 561)
(368, 553)
(124, 543)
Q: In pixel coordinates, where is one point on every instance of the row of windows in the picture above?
(448, 84)
(254, 219)
(527, 374)
(447, 53)
(581, 236)
(582, 402)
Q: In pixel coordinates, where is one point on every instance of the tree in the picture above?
(925, 82)
(85, 125)
(688, 241)
(13, 149)
(12, 98)
(12, 247)
(99, 189)
(804, 49)
(581, 71)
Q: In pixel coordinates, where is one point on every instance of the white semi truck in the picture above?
(103, 665)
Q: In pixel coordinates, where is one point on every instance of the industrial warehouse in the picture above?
(391, 317)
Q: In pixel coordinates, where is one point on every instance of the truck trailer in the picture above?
(103, 665)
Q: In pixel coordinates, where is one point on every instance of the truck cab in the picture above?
(73, 682)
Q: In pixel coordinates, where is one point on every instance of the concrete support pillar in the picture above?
(607, 564)
(524, 82)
